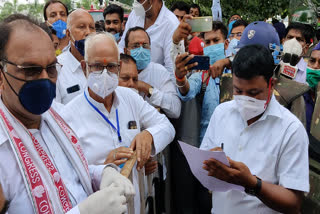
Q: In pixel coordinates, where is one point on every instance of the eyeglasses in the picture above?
(98, 68)
(138, 45)
(235, 34)
(34, 71)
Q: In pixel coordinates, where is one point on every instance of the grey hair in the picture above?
(70, 17)
(92, 38)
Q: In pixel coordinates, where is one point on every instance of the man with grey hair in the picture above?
(72, 81)
(109, 120)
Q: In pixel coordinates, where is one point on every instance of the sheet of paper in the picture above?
(195, 158)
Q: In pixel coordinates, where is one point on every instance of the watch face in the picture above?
(251, 192)
(150, 91)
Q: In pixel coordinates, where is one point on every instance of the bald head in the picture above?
(101, 44)
(17, 22)
(78, 14)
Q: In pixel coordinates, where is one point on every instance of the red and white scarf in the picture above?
(44, 185)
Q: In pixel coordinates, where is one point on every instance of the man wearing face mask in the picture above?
(42, 166)
(109, 120)
(160, 23)
(312, 99)
(113, 18)
(215, 42)
(288, 92)
(234, 36)
(72, 81)
(55, 14)
(154, 82)
(303, 33)
(267, 148)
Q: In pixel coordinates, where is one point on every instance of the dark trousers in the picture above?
(188, 194)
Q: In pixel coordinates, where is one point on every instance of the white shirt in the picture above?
(12, 182)
(98, 138)
(275, 148)
(70, 77)
(160, 34)
(164, 93)
(301, 75)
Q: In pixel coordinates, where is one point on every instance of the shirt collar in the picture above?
(72, 63)
(273, 109)
(101, 106)
(302, 65)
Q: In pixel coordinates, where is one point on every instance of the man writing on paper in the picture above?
(267, 147)
(42, 166)
(108, 119)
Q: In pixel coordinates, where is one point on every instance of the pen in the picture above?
(222, 146)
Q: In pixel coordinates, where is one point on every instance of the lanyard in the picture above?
(106, 119)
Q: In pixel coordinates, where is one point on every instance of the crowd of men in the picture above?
(79, 99)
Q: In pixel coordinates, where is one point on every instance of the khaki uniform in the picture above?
(288, 93)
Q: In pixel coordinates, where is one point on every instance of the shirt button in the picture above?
(240, 148)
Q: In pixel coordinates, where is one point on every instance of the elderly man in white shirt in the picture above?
(160, 23)
(266, 144)
(72, 81)
(154, 82)
(109, 119)
(42, 166)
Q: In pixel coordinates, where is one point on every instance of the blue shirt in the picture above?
(210, 100)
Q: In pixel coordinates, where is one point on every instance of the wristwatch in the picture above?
(256, 190)
(150, 92)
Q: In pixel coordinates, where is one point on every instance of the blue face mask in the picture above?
(117, 37)
(215, 52)
(232, 50)
(60, 27)
(35, 96)
(142, 57)
(79, 44)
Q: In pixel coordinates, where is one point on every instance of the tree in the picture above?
(251, 10)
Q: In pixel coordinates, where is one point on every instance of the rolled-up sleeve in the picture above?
(194, 89)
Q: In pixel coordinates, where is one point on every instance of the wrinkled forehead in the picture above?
(102, 50)
(80, 17)
(31, 40)
(295, 33)
(138, 36)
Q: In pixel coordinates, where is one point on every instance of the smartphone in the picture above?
(203, 62)
(200, 24)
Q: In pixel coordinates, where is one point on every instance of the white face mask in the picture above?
(249, 107)
(103, 83)
(139, 9)
(292, 46)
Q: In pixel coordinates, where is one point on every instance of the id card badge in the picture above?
(73, 89)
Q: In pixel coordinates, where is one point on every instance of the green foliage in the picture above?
(251, 10)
